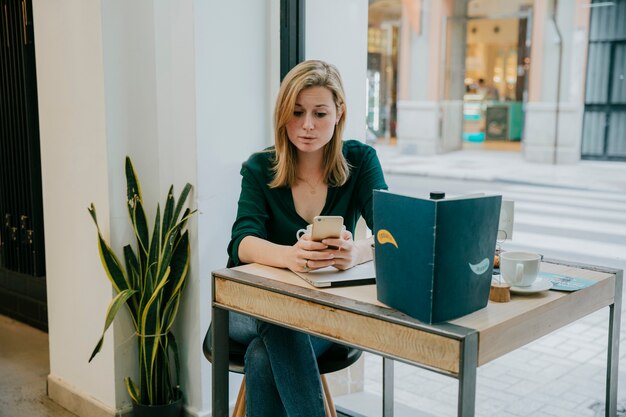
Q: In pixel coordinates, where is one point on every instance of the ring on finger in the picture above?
(306, 265)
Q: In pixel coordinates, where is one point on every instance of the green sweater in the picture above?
(270, 213)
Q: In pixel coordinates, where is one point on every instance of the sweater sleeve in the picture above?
(370, 178)
(252, 213)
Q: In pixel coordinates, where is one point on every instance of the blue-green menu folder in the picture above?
(434, 258)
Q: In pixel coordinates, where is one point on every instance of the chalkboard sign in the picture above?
(497, 123)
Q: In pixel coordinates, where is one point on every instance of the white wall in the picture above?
(131, 127)
(149, 67)
(233, 120)
(70, 79)
(188, 94)
(336, 32)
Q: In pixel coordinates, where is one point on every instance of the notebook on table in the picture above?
(434, 258)
(362, 274)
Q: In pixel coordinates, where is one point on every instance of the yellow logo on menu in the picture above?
(384, 236)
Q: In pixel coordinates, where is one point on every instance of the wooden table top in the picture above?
(501, 327)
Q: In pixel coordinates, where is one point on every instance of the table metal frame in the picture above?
(455, 345)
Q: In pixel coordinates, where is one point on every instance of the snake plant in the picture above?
(150, 282)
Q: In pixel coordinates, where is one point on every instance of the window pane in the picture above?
(620, 18)
(597, 74)
(603, 20)
(607, 21)
(618, 93)
(593, 133)
(616, 145)
(620, 33)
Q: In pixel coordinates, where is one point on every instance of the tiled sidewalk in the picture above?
(486, 165)
(560, 375)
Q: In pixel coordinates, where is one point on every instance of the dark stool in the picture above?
(336, 358)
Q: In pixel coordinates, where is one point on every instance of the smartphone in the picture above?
(326, 226)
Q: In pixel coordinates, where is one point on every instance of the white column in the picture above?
(70, 78)
(430, 106)
(234, 106)
(336, 32)
(166, 84)
(543, 141)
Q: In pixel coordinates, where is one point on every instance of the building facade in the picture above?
(542, 77)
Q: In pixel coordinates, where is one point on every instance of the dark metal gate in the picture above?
(604, 125)
(22, 263)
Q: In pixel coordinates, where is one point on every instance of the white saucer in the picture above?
(539, 285)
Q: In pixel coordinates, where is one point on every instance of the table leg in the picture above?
(387, 387)
(467, 376)
(615, 313)
(219, 349)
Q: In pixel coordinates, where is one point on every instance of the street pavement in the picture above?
(506, 167)
(570, 212)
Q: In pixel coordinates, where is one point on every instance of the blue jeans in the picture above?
(282, 378)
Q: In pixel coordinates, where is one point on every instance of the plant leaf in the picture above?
(132, 263)
(154, 259)
(181, 202)
(132, 269)
(173, 239)
(168, 212)
(169, 313)
(140, 227)
(150, 282)
(136, 211)
(92, 211)
(132, 390)
(179, 266)
(114, 307)
(132, 184)
(186, 216)
(174, 348)
(168, 248)
(112, 265)
(150, 329)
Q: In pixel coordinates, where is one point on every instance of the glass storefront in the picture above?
(496, 64)
(382, 68)
(494, 78)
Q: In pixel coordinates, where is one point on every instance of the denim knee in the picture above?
(261, 394)
(286, 338)
(256, 357)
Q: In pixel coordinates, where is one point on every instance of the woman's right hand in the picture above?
(307, 255)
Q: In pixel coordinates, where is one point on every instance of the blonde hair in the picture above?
(305, 75)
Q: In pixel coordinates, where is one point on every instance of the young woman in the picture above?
(309, 171)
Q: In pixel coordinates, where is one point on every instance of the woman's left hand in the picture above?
(346, 252)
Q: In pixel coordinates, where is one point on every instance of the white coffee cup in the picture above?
(520, 269)
(302, 232)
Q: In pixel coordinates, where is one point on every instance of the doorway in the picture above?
(497, 62)
(22, 263)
